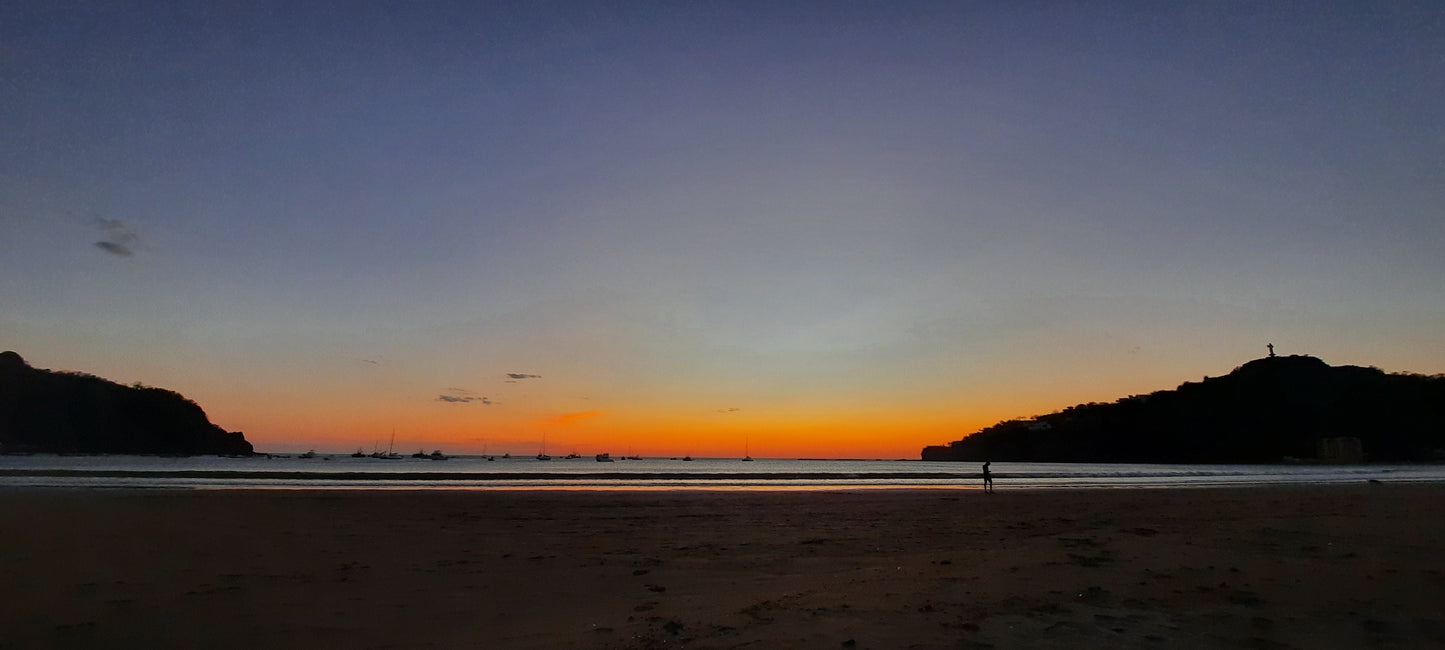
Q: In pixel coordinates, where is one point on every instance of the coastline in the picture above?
(476, 473)
(1296, 565)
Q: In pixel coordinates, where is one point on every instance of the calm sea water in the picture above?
(476, 473)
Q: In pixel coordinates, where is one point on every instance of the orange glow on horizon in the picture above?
(571, 419)
(877, 435)
(333, 419)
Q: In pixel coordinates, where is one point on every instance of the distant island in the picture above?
(43, 411)
(1276, 409)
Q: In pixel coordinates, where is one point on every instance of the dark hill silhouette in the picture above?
(1265, 411)
(68, 412)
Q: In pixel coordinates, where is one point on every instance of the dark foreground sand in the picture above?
(1307, 567)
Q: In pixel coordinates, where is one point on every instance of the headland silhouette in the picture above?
(43, 411)
(1270, 410)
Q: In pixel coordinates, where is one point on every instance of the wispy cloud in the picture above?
(119, 250)
(463, 399)
(118, 236)
(731, 409)
(518, 376)
(462, 396)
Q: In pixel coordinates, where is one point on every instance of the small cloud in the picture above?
(732, 409)
(455, 399)
(113, 248)
(517, 376)
(117, 236)
(462, 396)
(371, 361)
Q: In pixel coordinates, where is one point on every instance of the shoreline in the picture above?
(770, 487)
(523, 474)
(1283, 565)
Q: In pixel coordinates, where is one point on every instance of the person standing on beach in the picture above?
(987, 478)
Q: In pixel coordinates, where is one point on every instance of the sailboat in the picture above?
(389, 455)
(747, 457)
(542, 455)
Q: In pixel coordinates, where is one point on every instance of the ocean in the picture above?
(341, 471)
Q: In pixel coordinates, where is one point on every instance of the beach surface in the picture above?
(1265, 567)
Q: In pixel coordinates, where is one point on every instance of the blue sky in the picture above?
(316, 219)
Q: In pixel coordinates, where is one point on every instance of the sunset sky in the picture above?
(826, 229)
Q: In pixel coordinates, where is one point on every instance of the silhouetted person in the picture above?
(1271, 349)
(987, 478)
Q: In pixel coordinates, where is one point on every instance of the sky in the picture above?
(816, 229)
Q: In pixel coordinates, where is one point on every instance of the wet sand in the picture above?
(1307, 567)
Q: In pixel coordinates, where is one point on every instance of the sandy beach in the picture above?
(1274, 567)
